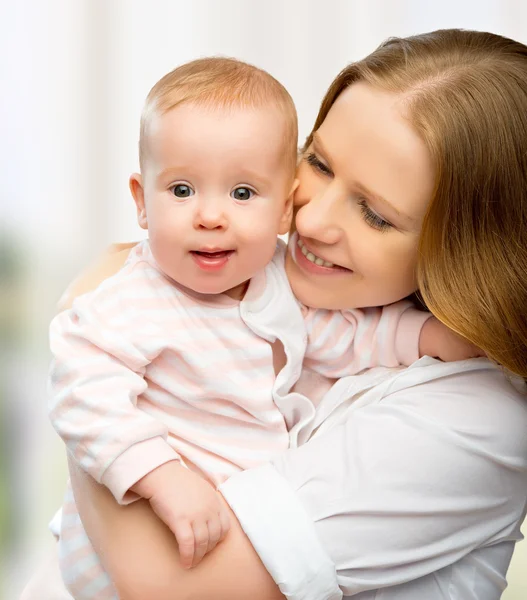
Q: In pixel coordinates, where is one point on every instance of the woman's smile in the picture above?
(307, 260)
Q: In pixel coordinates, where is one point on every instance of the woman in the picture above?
(413, 484)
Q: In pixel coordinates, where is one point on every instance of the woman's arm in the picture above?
(431, 466)
(141, 554)
(419, 472)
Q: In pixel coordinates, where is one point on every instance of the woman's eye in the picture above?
(182, 190)
(372, 218)
(242, 193)
(317, 164)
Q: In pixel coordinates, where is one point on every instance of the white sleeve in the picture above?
(400, 488)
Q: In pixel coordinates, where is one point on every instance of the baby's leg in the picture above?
(47, 583)
(81, 569)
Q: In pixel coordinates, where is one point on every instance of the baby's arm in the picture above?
(96, 378)
(342, 343)
(438, 341)
(345, 343)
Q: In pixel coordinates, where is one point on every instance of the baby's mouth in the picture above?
(211, 259)
(216, 254)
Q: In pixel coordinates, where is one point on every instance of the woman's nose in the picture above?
(320, 218)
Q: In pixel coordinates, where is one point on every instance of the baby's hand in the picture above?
(189, 506)
(439, 341)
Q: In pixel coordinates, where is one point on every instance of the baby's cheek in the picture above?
(261, 245)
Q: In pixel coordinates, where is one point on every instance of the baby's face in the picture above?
(214, 195)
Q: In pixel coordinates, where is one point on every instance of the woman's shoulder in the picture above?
(474, 380)
(471, 402)
(111, 261)
(474, 400)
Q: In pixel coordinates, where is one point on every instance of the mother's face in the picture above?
(365, 183)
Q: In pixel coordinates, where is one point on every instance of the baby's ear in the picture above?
(287, 216)
(138, 194)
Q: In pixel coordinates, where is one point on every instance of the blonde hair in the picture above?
(466, 95)
(225, 83)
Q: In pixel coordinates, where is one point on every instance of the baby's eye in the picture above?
(182, 190)
(242, 193)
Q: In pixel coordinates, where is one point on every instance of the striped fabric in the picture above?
(145, 371)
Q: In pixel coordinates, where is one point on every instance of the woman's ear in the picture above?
(138, 193)
(287, 216)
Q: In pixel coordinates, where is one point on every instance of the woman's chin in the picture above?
(310, 294)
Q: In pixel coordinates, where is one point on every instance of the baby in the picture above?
(179, 370)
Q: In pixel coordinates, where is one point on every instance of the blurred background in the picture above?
(74, 76)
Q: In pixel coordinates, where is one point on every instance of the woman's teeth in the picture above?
(311, 257)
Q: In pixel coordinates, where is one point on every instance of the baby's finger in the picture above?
(225, 523)
(214, 526)
(186, 542)
(201, 537)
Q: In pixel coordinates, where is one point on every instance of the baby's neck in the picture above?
(238, 292)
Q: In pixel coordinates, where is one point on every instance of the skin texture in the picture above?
(196, 517)
(365, 143)
(232, 193)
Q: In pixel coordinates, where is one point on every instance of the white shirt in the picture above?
(413, 487)
(146, 371)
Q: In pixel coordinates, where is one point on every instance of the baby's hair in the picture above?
(225, 83)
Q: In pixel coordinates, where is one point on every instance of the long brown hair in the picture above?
(466, 95)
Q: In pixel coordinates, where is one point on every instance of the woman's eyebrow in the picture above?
(381, 200)
(319, 145)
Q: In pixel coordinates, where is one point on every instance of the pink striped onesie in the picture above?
(145, 371)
